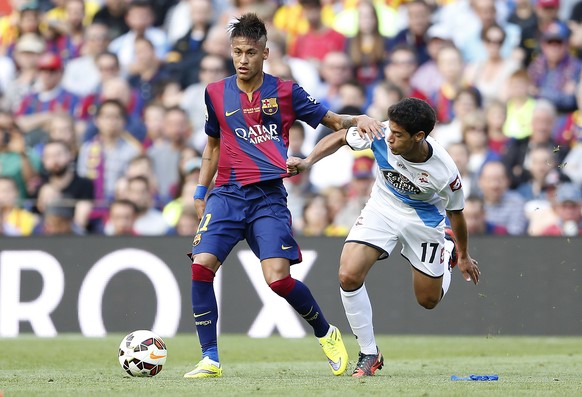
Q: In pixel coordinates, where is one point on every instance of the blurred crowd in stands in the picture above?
(102, 106)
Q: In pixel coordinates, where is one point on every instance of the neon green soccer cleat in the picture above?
(335, 351)
(206, 368)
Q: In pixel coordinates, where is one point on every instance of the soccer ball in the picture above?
(142, 353)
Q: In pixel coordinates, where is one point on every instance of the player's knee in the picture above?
(428, 302)
(349, 281)
(284, 286)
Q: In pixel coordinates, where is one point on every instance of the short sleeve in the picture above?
(355, 141)
(211, 127)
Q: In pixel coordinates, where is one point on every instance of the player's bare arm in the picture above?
(467, 265)
(208, 170)
(366, 125)
(328, 145)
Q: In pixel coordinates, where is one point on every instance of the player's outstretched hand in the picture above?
(370, 127)
(295, 165)
(469, 269)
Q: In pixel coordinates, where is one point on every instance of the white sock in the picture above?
(449, 245)
(359, 314)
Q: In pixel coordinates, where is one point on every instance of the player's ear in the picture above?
(266, 53)
(419, 136)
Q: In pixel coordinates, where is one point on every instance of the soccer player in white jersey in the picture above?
(417, 185)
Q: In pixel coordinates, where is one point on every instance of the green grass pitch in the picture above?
(71, 365)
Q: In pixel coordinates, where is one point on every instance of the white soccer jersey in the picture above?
(429, 188)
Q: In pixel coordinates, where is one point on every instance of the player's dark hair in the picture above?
(249, 26)
(414, 115)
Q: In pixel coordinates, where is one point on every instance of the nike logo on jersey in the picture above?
(231, 113)
(285, 248)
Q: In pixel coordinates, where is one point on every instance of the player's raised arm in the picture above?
(328, 145)
(366, 125)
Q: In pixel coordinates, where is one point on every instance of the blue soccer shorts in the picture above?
(256, 213)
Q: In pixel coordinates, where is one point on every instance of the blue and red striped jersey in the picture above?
(59, 100)
(254, 133)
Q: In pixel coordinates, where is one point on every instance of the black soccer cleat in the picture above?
(368, 364)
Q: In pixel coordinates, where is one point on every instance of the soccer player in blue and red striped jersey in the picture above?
(248, 119)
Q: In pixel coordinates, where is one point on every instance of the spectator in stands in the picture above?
(495, 116)
(524, 16)
(316, 220)
(59, 167)
(384, 95)
(149, 221)
(186, 54)
(555, 73)
(26, 55)
(165, 153)
(82, 76)
(153, 118)
(367, 47)
(542, 177)
(568, 209)
(48, 97)
(118, 89)
(140, 19)
(468, 100)
(460, 154)
(61, 127)
(336, 69)
(474, 130)
(472, 45)
(66, 38)
(17, 161)
(58, 219)
(112, 14)
(183, 199)
(475, 217)
(503, 207)
(142, 165)
(188, 222)
(516, 157)
(105, 157)
(319, 40)
(415, 33)
(57, 12)
(28, 19)
(121, 219)
(575, 26)
(298, 187)
(148, 70)
(353, 94)
(546, 13)
(399, 69)
(212, 68)
(520, 106)
(570, 134)
(178, 20)
(450, 65)
(14, 220)
(572, 164)
(489, 74)
(427, 77)
(358, 192)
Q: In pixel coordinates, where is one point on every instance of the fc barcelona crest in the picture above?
(270, 106)
(196, 240)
